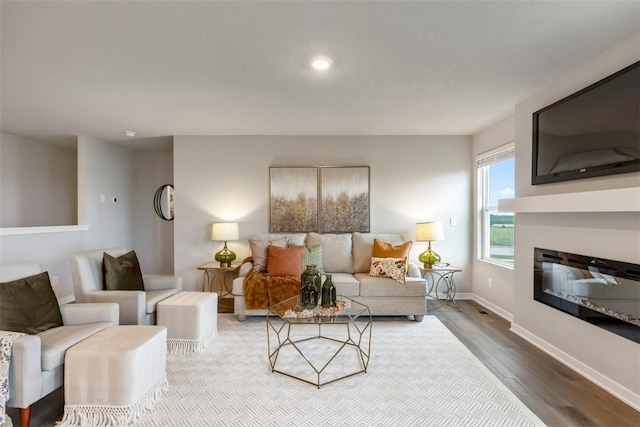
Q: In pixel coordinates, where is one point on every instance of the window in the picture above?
(496, 180)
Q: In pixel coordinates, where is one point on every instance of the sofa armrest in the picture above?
(413, 270)
(132, 304)
(81, 314)
(25, 376)
(245, 268)
(154, 282)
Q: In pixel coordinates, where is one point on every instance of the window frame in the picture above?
(483, 162)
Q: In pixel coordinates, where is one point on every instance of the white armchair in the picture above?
(37, 361)
(136, 307)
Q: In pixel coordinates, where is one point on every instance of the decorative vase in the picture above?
(328, 293)
(310, 287)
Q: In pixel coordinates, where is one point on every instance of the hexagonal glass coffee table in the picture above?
(319, 346)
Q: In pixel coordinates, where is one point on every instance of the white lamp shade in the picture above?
(429, 231)
(224, 231)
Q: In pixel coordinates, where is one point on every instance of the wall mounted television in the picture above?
(593, 132)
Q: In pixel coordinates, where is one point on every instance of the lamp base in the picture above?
(225, 257)
(429, 258)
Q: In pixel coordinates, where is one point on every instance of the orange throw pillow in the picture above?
(284, 261)
(383, 249)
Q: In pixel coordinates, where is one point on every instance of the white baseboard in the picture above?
(591, 374)
(491, 306)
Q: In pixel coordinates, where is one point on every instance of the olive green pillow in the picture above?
(29, 305)
(122, 273)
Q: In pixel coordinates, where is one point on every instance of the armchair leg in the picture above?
(25, 416)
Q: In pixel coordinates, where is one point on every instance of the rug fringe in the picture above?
(108, 416)
(183, 346)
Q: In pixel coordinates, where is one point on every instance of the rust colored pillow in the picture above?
(383, 249)
(284, 261)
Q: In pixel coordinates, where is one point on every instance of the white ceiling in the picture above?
(241, 67)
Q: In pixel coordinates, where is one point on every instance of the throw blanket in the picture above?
(6, 344)
(261, 290)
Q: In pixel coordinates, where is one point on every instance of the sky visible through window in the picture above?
(501, 181)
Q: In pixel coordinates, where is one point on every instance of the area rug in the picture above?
(419, 374)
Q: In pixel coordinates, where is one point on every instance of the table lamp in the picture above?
(428, 232)
(224, 231)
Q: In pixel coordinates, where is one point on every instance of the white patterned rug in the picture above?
(419, 375)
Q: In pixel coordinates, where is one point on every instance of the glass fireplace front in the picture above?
(603, 292)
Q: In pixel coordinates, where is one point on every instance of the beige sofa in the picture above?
(348, 258)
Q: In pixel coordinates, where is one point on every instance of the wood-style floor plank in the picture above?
(556, 394)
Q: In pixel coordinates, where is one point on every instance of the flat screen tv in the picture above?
(593, 132)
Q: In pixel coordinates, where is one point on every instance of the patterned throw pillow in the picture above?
(313, 256)
(284, 261)
(394, 268)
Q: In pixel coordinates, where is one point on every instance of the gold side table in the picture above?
(442, 285)
(220, 279)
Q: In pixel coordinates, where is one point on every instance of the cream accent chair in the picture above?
(136, 307)
(37, 361)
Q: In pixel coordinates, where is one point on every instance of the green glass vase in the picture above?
(310, 283)
(328, 293)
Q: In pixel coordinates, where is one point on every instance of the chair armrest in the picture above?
(25, 377)
(81, 314)
(154, 282)
(132, 304)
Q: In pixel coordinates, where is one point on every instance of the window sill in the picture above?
(497, 263)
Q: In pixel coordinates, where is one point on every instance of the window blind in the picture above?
(496, 155)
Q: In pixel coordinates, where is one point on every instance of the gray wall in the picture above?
(413, 179)
(605, 358)
(38, 183)
(103, 168)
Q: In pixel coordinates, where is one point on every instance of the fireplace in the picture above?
(602, 292)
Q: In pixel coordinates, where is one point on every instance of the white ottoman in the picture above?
(191, 319)
(113, 377)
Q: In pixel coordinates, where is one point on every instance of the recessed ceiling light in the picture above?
(129, 133)
(321, 63)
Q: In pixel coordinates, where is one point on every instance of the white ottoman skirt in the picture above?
(191, 319)
(113, 377)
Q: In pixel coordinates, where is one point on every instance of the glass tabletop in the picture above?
(291, 311)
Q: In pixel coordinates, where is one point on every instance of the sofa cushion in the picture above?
(122, 273)
(384, 286)
(259, 244)
(336, 251)
(346, 285)
(284, 261)
(56, 341)
(29, 305)
(363, 248)
(394, 268)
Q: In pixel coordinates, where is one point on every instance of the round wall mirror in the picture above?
(163, 202)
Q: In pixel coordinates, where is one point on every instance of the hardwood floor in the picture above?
(555, 393)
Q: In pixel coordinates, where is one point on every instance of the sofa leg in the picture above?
(418, 317)
(25, 416)
(241, 318)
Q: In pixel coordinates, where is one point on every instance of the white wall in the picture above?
(103, 168)
(413, 179)
(153, 236)
(608, 359)
(38, 183)
(500, 296)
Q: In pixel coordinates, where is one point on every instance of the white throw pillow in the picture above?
(336, 251)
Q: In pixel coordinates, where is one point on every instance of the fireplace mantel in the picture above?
(615, 200)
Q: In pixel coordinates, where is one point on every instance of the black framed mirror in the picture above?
(163, 202)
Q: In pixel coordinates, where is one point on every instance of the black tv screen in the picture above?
(593, 132)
